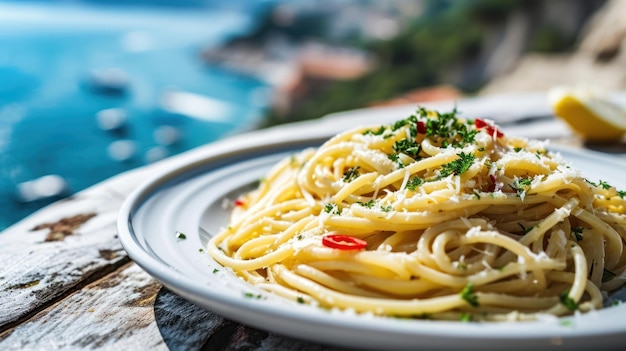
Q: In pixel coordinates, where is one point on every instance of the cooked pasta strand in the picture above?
(432, 215)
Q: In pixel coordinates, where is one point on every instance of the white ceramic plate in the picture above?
(189, 194)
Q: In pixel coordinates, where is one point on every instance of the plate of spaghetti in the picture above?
(431, 231)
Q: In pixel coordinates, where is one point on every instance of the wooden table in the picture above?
(67, 283)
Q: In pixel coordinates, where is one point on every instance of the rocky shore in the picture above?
(599, 59)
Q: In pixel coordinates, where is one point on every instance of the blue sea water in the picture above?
(49, 52)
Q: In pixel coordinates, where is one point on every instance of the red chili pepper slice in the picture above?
(491, 130)
(480, 123)
(239, 203)
(343, 242)
(421, 127)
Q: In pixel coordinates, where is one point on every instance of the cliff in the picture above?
(598, 58)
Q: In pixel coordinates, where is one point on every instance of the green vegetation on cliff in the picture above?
(446, 45)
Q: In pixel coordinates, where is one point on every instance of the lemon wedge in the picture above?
(589, 113)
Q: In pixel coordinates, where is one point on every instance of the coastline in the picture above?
(49, 107)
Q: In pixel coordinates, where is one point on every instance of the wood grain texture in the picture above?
(115, 312)
(130, 310)
(36, 272)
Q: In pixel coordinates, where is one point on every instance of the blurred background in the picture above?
(92, 88)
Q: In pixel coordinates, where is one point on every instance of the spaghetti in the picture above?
(433, 216)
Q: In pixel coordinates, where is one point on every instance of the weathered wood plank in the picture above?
(130, 310)
(113, 313)
(36, 271)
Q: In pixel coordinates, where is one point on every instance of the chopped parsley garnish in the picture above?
(517, 149)
(521, 186)
(351, 174)
(621, 193)
(300, 299)
(604, 185)
(567, 301)
(252, 296)
(465, 317)
(444, 129)
(379, 131)
(441, 126)
(469, 295)
(401, 123)
(414, 182)
(408, 147)
(200, 250)
(396, 159)
(215, 270)
(369, 204)
(458, 166)
(577, 232)
(386, 208)
(449, 130)
(331, 208)
(467, 137)
(181, 236)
